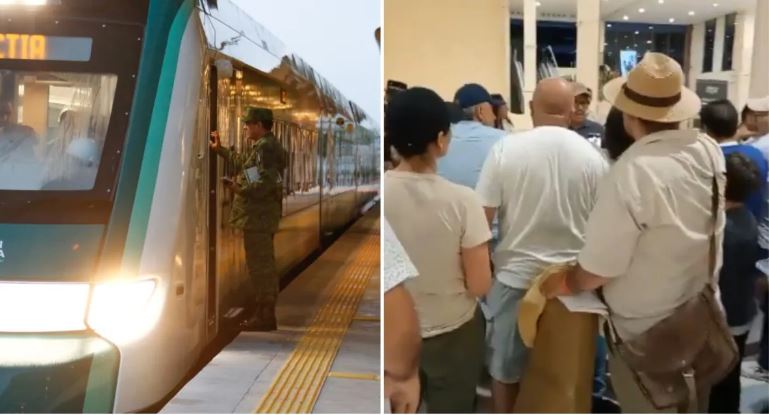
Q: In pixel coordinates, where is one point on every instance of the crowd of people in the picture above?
(656, 221)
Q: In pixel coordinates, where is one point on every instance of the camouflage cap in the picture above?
(255, 114)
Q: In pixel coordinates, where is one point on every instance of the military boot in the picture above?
(262, 320)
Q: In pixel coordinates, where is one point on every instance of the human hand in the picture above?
(215, 142)
(743, 132)
(404, 395)
(555, 285)
(228, 183)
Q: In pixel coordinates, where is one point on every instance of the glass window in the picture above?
(726, 62)
(556, 42)
(52, 128)
(623, 38)
(710, 40)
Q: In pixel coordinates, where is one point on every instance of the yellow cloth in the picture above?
(534, 302)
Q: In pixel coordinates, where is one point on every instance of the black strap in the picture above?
(656, 102)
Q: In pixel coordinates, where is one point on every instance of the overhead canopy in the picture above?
(232, 32)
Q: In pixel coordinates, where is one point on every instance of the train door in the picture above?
(212, 302)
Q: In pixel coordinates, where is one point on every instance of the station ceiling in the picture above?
(642, 11)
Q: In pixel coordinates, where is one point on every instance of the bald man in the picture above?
(542, 184)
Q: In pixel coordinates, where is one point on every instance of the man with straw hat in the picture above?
(651, 243)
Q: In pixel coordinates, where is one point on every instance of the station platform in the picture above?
(325, 355)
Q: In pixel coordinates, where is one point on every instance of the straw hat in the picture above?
(654, 91)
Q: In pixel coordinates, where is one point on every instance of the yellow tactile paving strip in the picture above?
(298, 384)
(354, 376)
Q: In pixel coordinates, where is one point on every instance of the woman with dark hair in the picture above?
(501, 112)
(615, 140)
(444, 231)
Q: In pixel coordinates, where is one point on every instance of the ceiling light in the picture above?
(691, 12)
(23, 2)
(637, 32)
(672, 20)
(538, 4)
(651, 27)
(608, 25)
(661, 1)
(625, 17)
(715, 4)
(648, 42)
(641, 10)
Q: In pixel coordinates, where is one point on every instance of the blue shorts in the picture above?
(505, 352)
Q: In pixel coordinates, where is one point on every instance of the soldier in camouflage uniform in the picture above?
(257, 207)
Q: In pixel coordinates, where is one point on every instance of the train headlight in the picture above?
(42, 307)
(125, 311)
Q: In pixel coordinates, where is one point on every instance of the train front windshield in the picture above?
(67, 81)
(53, 126)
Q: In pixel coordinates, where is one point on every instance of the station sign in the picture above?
(18, 46)
(710, 90)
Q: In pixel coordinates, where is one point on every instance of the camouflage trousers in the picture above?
(260, 260)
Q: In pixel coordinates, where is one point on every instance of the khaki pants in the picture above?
(260, 261)
(630, 397)
(559, 373)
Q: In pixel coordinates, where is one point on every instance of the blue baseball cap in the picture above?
(470, 95)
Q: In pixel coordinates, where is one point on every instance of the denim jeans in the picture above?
(763, 354)
(599, 375)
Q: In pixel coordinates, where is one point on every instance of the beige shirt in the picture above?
(434, 219)
(650, 229)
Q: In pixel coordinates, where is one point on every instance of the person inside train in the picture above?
(17, 141)
(501, 111)
(443, 229)
(589, 129)
(658, 240)
(257, 207)
(402, 340)
(542, 183)
(738, 273)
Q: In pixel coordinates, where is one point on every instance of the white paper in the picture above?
(252, 175)
(584, 302)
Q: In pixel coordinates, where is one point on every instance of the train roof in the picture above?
(232, 32)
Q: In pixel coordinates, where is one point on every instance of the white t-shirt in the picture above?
(544, 183)
(398, 267)
(434, 219)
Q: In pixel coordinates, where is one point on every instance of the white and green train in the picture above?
(117, 263)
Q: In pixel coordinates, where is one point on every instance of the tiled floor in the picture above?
(239, 376)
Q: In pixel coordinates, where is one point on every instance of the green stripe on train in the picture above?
(137, 229)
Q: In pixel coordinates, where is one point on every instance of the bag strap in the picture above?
(714, 202)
